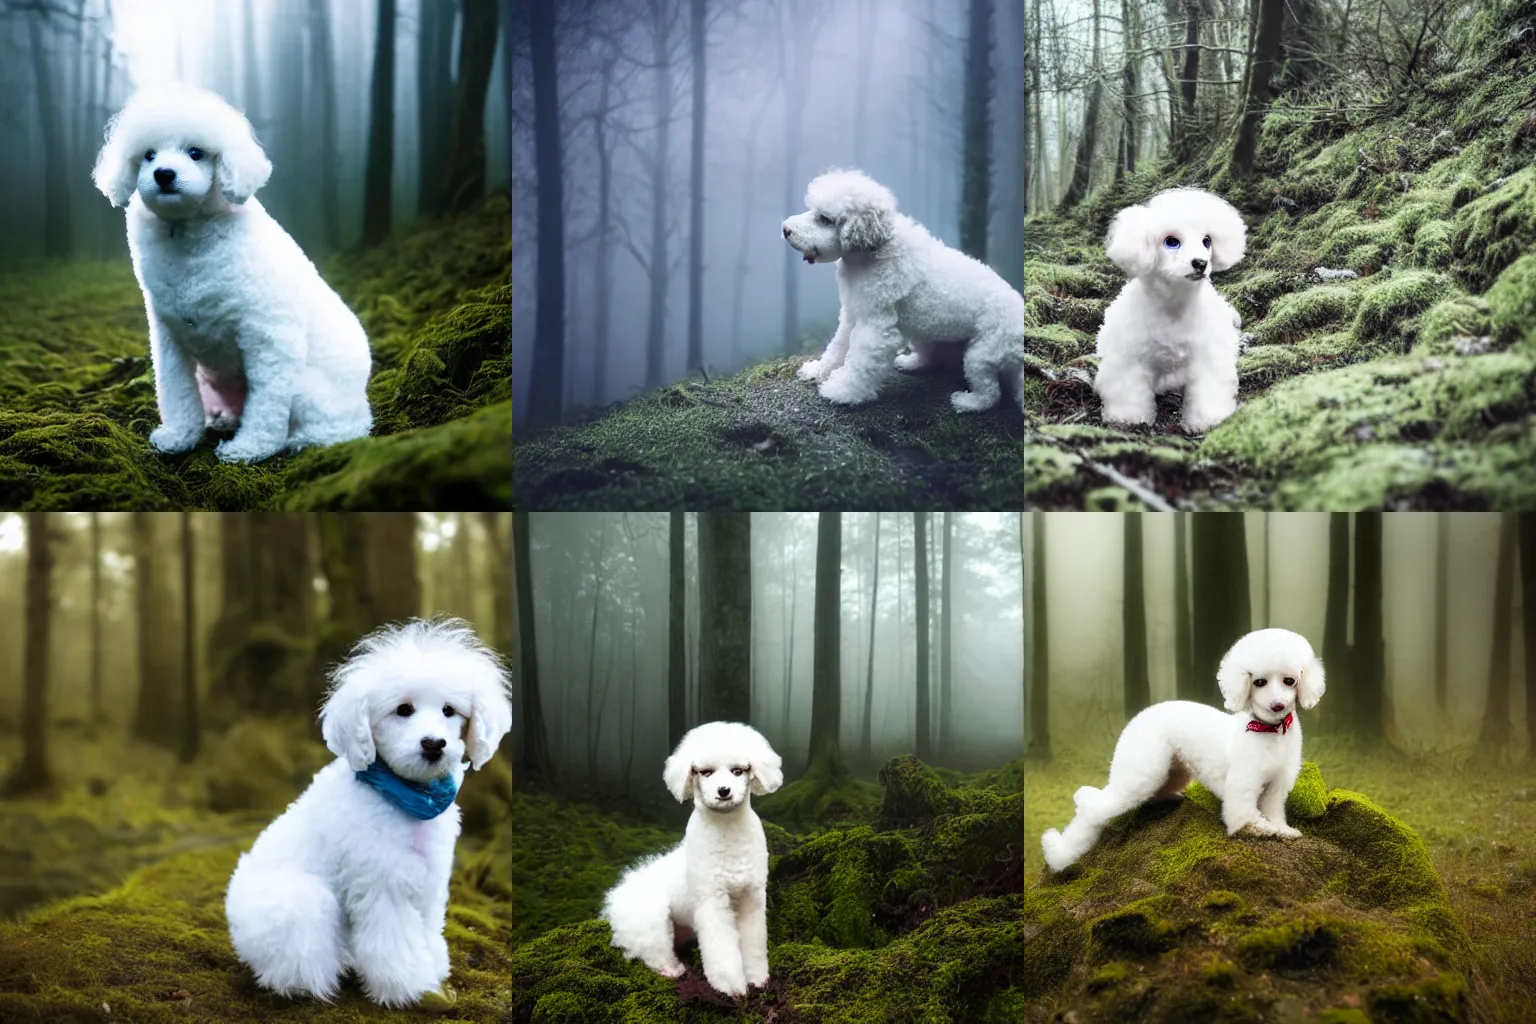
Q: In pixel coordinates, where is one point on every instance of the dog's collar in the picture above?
(421, 800)
(1281, 727)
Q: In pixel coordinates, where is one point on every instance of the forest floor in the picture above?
(1478, 823)
(1408, 382)
(764, 439)
(77, 397)
(901, 902)
(113, 887)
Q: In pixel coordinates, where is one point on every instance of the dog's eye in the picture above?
(1207, 241)
(1172, 242)
(149, 155)
(1290, 680)
(405, 710)
(447, 710)
(1260, 682)
(823, 218)
(706, 772)
(738, 771)
(197, 154)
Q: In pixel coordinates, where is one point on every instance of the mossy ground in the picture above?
(765, 440)
(1412, 385)
(77, 392)
(866, 925)
(119, 884)
(1477, 826)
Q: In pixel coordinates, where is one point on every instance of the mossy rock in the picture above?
(1172, 920)
(258, 766)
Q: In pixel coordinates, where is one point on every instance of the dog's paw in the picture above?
(238, 449)
(846, 388)
(729, 983)
(441, 999)
(674, 970)
(1130, 416)
(910, 361)
(1287, 832)
(222, 421)
(970, 401)
(816, 370)
(171, 440)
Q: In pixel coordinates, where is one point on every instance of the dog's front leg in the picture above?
(752, 928)
(836, 352)
(871, 347)
(720, 946)
(176, 394)
(273, 361)
(1272, 807)
(1240, 807)
(1210, 395)
(389, 949)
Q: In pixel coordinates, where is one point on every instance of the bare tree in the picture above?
(465, 183)
(33, 775)
(535, 761)
(379, 176)
(976, 188)
(1493, 736)
(920, 559)
(826, 689)
(677, 683)
(1038, 746)
(696, 28)
(323, 71)
(548, 373)
(190, 739)
(869, 664)
(725, 615)
(1135, 683)
(1088, 141)
(434, 99)
(1266, 52)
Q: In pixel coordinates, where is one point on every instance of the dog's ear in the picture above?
(678, 773)
(344, 723)
(869, 223)
(116, 173)
(242, 166)
(767, 769)
(1234, 680)
(490, 719)
(1229, 235)
(1310, 687)
(1129, 244)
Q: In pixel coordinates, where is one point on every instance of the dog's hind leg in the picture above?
(981, 373)
(922, 356)
(288, 927)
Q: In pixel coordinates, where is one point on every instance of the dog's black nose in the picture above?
(1199, 265)
(164, 176)
(724, 792)
(786, 230)
(1277, 707)
(432, 747)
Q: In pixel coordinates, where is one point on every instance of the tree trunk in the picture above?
(869, 663)
(1130, 87)
(659, 262)
(377, 182)
(677, 682)
(250, 91)
(32, 775)
(1189, 78)
(696, 195)
(97, 716)
(946, 645)
(434, 101)
(323, 70)
(975, 196)
(826, 697)
(1336, 650)
(1088, 141)
(535, 762)
(156, 714)
(1039, 744)
(477, 54)
(1220, 585)
(1266, 51)
(548, 374)
(58, 231)
(1137, 685)
(920, 559)
(591, 717)
(1528, 627)
(603, 249)
(794, 67)
(1183, 669)
(1493, 737)
(794, 601)
(190, 739)
(1442, 608)
(725, 616)
(1368, 665)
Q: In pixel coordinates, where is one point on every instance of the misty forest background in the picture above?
(160, 680)
(659, 144)
(386, 123)
(1426, 625)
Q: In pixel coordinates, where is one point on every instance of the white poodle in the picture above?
(898, 284)
(241, 327)
(1168, 328)
(714, 883)
(355, 872)
(1249, 759)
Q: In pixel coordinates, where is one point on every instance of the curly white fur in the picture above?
(1168, 328)
(898, 284)
(241, 327)
(1263, 678)
(345, 879)
(714, 883)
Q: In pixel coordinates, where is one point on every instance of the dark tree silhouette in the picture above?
(1137, 685)
(1183, 669)
(190, 740)
(976, 158)
(534, 761)
(434, 101)
(466, 141)
(1528, 626)
(1266, 52)
(946, 693)
(1220, 584)
(696, 25)
(379, 175)
(725, 616)
(1368, 654)
(1493, 735)
(920, 557)
(96, 710)
(677, 677)
(546, 383)
(323, 70)
(1442, 607)
(869, 661)
(826, 689)
(1336, 651)
(1038, 746)
(32, 775)
(1089, 140)
(156, 711)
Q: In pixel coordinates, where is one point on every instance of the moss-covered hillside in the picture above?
(1407, 382)
(1168, 919)
(868, 923)
(77, 394)
(119, 881)
(766, 440)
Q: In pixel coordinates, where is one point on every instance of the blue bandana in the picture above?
(421, 800)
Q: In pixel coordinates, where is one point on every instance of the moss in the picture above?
(1309, 796)
(1512, 303)
(1302, 312)
(1457, 317)
(1387, 308)
(1496, 228)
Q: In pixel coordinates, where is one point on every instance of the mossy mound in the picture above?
(261, 765)
(865, 925)
(1386, 298)
(1168, 919)
(78, 391)
(157, 949)
(765, 440)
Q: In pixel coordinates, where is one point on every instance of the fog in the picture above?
(599, 587)
(792, 87)
(1288, 568)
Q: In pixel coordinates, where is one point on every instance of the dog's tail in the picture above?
(288, 927)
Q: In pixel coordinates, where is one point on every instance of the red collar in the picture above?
(1281, 727)
(1284, 723)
